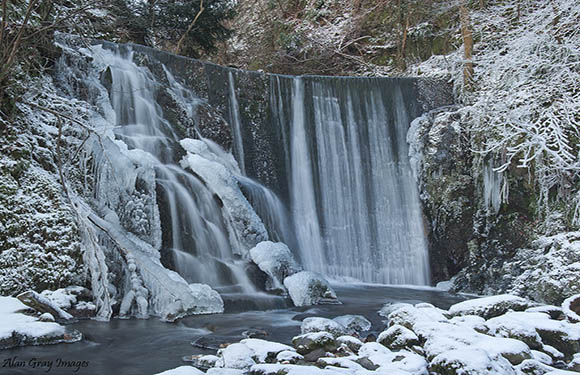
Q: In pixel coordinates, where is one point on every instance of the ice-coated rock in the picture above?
(315, 324)
(490, 307)
(276, 260)
(354, 324)
(398, 337)
(309, 288)
(245, 228)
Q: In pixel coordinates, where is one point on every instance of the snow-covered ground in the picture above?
(17, 328)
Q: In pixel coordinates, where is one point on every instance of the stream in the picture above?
(132, 346)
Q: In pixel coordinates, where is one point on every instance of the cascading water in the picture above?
(354, 202)
(194, 231)
(349, 207)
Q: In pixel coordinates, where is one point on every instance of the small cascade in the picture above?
(270, 209)
(236, 122)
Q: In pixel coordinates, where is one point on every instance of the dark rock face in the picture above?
(447, 191)
(468, 236)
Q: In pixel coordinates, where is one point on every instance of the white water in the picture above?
(303, 203)
(355, 205)
(194, 231)
(236, 123)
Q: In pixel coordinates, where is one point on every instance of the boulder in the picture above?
(276, 260)
(309, 342)
(470, 362)
(288, 357)
(315, 324)
(490, 307)
(309, 288)
(354, 324)
(352, 343)
(398, 337)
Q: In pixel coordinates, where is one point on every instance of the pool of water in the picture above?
(149, 346)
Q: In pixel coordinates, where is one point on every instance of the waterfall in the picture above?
(354, 202)
(322, 163)
(195, 234)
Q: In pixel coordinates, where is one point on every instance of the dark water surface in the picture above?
(150, 346)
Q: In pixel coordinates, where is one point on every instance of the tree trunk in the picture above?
(467, 45)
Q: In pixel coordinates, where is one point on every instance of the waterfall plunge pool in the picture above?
(133, 346)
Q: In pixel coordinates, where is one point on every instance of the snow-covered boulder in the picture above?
(571, 308)
(288, 357)
(398, 337)
(182, 370)
(309, 342)
(490, 307)
(354, 324)
(516, 325)
(276, 260)
(279, 369)
(248, 352)
(309, 288)
(236, 356)
(265, 351)
(352, 343)
(470, 362)
(224, 371)
(18, 329)
(315, 324)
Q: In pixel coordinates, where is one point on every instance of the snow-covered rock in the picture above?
(398, 337)
(315, 324)
(352, 343)
(309, 342)
(309, 288)
(470, 362)
(276, 260)
(236, 356)
(489, 307)
(288, 357)
(17, 329)
(571, 308)
(182, 370)
(265, 351)
(354, 324)
(43, 304)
